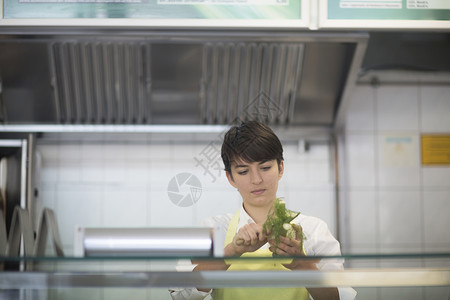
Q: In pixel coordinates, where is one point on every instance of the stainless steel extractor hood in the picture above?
(195, 77)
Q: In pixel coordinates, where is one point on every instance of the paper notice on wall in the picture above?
(392, 4)
(436, 149)
(80, 1)
(398, 151)
(428, 4)
(226, 2)
(372, 4)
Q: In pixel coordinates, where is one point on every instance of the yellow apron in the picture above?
(253, 265)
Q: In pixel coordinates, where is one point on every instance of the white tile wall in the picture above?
(125, 206)
(363, 220)
(394, 204)
(368, 293)
(77, 204)
(360, 114)
(435, 177)
(125, 184)
(401, 293)
(437, 292)
(397, 108)
(360, 155)
(435, 105)
(436, 219)
(75, 294)
(400, 221)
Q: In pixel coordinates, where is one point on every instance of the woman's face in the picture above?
(257, 182)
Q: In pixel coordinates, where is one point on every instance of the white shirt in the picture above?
(318, 242)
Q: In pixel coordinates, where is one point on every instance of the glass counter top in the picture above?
(365, 270)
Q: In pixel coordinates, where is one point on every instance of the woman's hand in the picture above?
(248, 239)
(294, 247)
(289, 246)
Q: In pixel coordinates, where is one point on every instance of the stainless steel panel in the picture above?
(26, 85)
(168, 77)
(148, 242)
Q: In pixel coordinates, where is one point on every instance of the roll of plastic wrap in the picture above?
(148, 242)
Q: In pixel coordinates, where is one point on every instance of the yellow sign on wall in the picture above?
(436, 149)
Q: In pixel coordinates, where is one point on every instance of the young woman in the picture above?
(253, 159)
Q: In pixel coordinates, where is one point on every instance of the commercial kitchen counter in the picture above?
(387, 270)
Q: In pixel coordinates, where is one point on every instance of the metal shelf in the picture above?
(403, 277)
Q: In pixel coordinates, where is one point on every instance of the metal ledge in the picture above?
(48, 128)
(154, 133)
(218, 279)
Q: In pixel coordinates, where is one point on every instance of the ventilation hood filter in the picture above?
(250, 81)
(176, 78)
(101, 82)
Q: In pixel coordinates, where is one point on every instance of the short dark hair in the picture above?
(251, 141)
